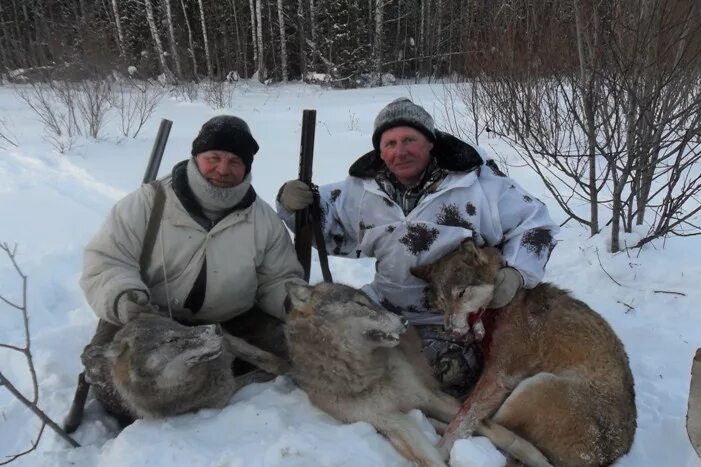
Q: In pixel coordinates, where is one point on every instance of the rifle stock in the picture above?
(303, 225)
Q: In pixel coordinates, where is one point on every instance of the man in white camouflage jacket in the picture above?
(413, 199)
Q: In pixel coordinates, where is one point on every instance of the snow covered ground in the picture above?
(51, 204)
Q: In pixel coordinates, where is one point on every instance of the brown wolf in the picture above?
(555, 372)
(360, 362)
(155, 367)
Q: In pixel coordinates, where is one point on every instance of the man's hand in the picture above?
(295, 195)
(507, 282)
(131, 304)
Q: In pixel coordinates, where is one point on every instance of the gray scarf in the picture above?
(215, 201)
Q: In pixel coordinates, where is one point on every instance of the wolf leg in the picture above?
(407, 438)
(484, 400)
(255, 376)
(75, 414)
(439, 426)
(512, 444)
(440, 406)
(256, 356)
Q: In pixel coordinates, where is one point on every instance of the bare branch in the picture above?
(26, 351)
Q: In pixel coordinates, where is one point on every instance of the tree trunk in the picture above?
(189, 40)
(271, 33)
(157, 42)
(301, 40)
(208, 58)
(377, 52)
(283, 45)
(254, 42)
(120, 32)
(173, 45)
(587, 101)
(259, 36)
(240, 53)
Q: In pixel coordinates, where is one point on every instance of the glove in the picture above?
(507, 282)
(295, 195)
(132, 303)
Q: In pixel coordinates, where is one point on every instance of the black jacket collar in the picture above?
(450, 152)
(184, 193)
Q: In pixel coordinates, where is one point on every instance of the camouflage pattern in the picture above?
(456, 364)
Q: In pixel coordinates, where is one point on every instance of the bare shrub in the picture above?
(463, 111)
(33, 403)
(58, 119)
(187, 91)
(618, 129)
(218, 94)
(6, 134)
(92, 102)
(135, 101)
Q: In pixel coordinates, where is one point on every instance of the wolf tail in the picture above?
(512, 444)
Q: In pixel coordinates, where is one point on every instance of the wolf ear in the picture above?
(473, 251)
(114, 350)
(423, 272)
(298, 295)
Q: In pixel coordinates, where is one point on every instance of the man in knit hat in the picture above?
(411, 200)
(220, 254)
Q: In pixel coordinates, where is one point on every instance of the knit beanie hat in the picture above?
(226, 133)
(402, 112)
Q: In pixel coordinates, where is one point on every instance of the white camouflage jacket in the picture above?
(249, 256)
(362, 220)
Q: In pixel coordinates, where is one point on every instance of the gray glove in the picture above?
(507, 282)
(132, 303)
(295, 195)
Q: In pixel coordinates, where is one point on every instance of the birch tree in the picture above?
(190, 41)
(157, 42)
(118, 27)
(207, 56)
(377, 49)
(173, 45)
(260, 68)
(283, 40)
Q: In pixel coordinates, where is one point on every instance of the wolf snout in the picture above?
(405, 322)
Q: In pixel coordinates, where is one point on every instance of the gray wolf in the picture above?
(360, 362)
(155, 367)
(555, 372)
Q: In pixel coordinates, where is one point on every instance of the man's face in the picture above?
(406, 153)
(221, 168)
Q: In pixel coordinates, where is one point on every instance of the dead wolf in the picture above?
(555, 373)
(155, 367)
(360, 362)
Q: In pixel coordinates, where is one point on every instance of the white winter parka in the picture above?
(249, 258)
(362, 220)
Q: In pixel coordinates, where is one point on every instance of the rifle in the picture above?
(303, 223)
(308, 220)
(105, 331)
(154, 161)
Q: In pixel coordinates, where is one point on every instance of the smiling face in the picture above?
(221, 168)
(406, 153)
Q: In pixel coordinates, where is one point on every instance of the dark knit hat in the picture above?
(402, 112)
(226, 133)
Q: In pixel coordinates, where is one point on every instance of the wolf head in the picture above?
(157, 351)
(461, 283)
(345, 311)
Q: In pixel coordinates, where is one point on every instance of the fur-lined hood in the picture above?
(450, 152)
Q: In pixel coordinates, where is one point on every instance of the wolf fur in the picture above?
(155, 367)
(555, 372)
(359, 362)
